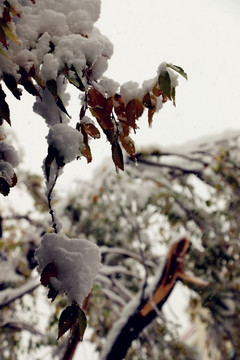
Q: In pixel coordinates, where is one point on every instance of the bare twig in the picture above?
(51, 211)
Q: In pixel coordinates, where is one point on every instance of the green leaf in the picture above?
(164, 82)
(75, 79)
(178, 69)
(52, 87)
(68, 319)
(4, 109)
(117, 155)
(4, 186)
(82, 323)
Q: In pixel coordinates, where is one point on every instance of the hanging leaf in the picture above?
(75, 79)
(95, 98)
(4, 109)
(52, 87)
(156, 91)
(149, 101)
(117, 155)
(52, 293)
(91, 130)
(151, 112)
(86, 152)
(128, 145)
(3, 38)
(6, 14)
(49, 271)
(174, 96)
(82, 323)
(178, 69)
(27, 83)
(134, 110)
(108, 105)
(68, 319)
(4, 186)
(164, 82)
(11, 83)
(9, 33)
(103, 118)
(119, 106)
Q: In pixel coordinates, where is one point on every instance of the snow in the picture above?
(129, 309)
(8, 160)
(66, 140)
(77, 262)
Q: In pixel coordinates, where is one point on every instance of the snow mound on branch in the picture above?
(66, 140)
(8, 160)
(77, 262)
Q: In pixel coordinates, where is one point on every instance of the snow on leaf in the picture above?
(178, 69)
(4, 186)
(117, 155)
(4, 109)
(68, 319)
(77, 262)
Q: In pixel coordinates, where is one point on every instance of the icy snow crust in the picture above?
(77, 262)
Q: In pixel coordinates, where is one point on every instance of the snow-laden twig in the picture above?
(9, 295)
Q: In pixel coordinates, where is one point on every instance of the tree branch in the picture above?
(141, 312)
(9, 295)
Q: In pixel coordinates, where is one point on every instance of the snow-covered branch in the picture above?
(140, 312)
(9, 295)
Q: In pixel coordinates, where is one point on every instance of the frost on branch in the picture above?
(74, 265)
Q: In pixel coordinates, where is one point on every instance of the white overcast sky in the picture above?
(203, 37)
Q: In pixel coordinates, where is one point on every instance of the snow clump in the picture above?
(66, 140)
(77, 262)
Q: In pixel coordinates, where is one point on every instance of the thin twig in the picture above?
(51, 212)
